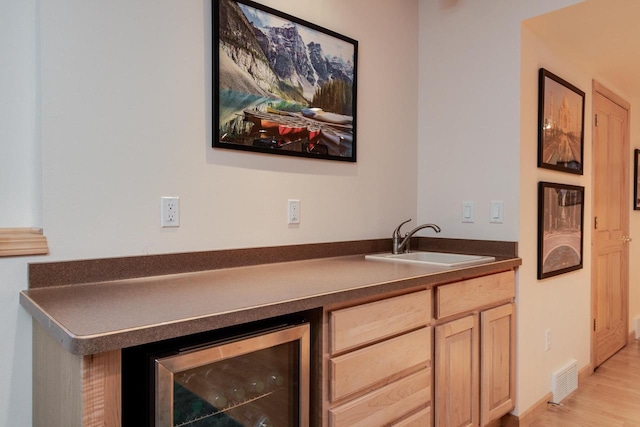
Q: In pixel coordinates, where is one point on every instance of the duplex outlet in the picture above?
(170, 212)
(293, 211)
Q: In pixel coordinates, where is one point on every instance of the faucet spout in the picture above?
(402, 244)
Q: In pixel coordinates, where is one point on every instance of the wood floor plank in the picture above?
(608, 398)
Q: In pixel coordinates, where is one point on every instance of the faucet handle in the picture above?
(396, 232)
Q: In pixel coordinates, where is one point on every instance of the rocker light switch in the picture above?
(467, 211)
(497, 212)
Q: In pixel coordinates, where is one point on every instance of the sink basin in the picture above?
(441, 259)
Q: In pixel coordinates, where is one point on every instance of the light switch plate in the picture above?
(496, 213)
(467, 211)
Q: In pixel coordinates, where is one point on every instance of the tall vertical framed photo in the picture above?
(636, 180)
(560, 228)
(282, 85)
(560, 124)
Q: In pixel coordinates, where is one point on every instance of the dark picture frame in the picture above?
(282, 85)
(560, 124)
(636, 180)
(560, 228)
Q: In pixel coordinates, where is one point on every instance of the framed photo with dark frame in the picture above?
(560, 124)
(636, 180)
(282, 85)
(560, 228)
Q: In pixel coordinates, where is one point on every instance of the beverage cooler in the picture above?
(259, 379)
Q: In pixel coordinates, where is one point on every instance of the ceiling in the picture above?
(604, 34)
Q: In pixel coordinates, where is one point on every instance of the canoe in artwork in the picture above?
(325, 116)
(272, 110)
(290, 130)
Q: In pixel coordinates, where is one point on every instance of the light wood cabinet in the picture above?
(443, 356)
(457, 373)
(379, 363)
(71, 390)
(498, 339)
(474, 351)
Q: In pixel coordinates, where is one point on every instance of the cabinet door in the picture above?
(457, 373)
(497, 393)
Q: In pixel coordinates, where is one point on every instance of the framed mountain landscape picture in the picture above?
(282, 85)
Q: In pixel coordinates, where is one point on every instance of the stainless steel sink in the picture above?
(441, 259)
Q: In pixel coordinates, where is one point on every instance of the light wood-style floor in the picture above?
(610, 397)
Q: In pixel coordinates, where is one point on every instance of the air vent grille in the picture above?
(564, 381)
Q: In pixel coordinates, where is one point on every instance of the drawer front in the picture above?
(367, 323)
(419, 419)
(360, 369)
(392, 402)
(468, 295)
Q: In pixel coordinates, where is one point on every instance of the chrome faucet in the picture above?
(401, 244)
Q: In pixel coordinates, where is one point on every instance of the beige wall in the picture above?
(634, 230)
(561, 303)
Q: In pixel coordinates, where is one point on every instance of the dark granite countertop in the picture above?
(89, 318)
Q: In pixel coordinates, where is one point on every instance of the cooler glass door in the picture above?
(256, 381)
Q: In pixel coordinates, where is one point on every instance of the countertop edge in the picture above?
(117, 339)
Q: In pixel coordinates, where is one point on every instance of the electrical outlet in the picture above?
(293, 211)
(170, 212)
(547, 340)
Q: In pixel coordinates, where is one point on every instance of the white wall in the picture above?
(124, 107)
(20, 153)
(477, 142)
(469, 120)
(20, 192)
(126, 110)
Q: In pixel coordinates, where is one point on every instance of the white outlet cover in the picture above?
(293, 211)
(170, 212)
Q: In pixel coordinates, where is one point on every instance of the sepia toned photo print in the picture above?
(560, 124)
(560, 228)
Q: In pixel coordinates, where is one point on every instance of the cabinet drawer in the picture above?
(389, 403)
(360, 369)
(419, 419)
(469, 295)
(366, 323)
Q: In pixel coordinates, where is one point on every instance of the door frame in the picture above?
(607, 93)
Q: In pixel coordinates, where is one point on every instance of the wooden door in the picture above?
(610, 252)
(498, 362)
(457, 373)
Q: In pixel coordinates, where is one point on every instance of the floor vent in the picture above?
(564, 381)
